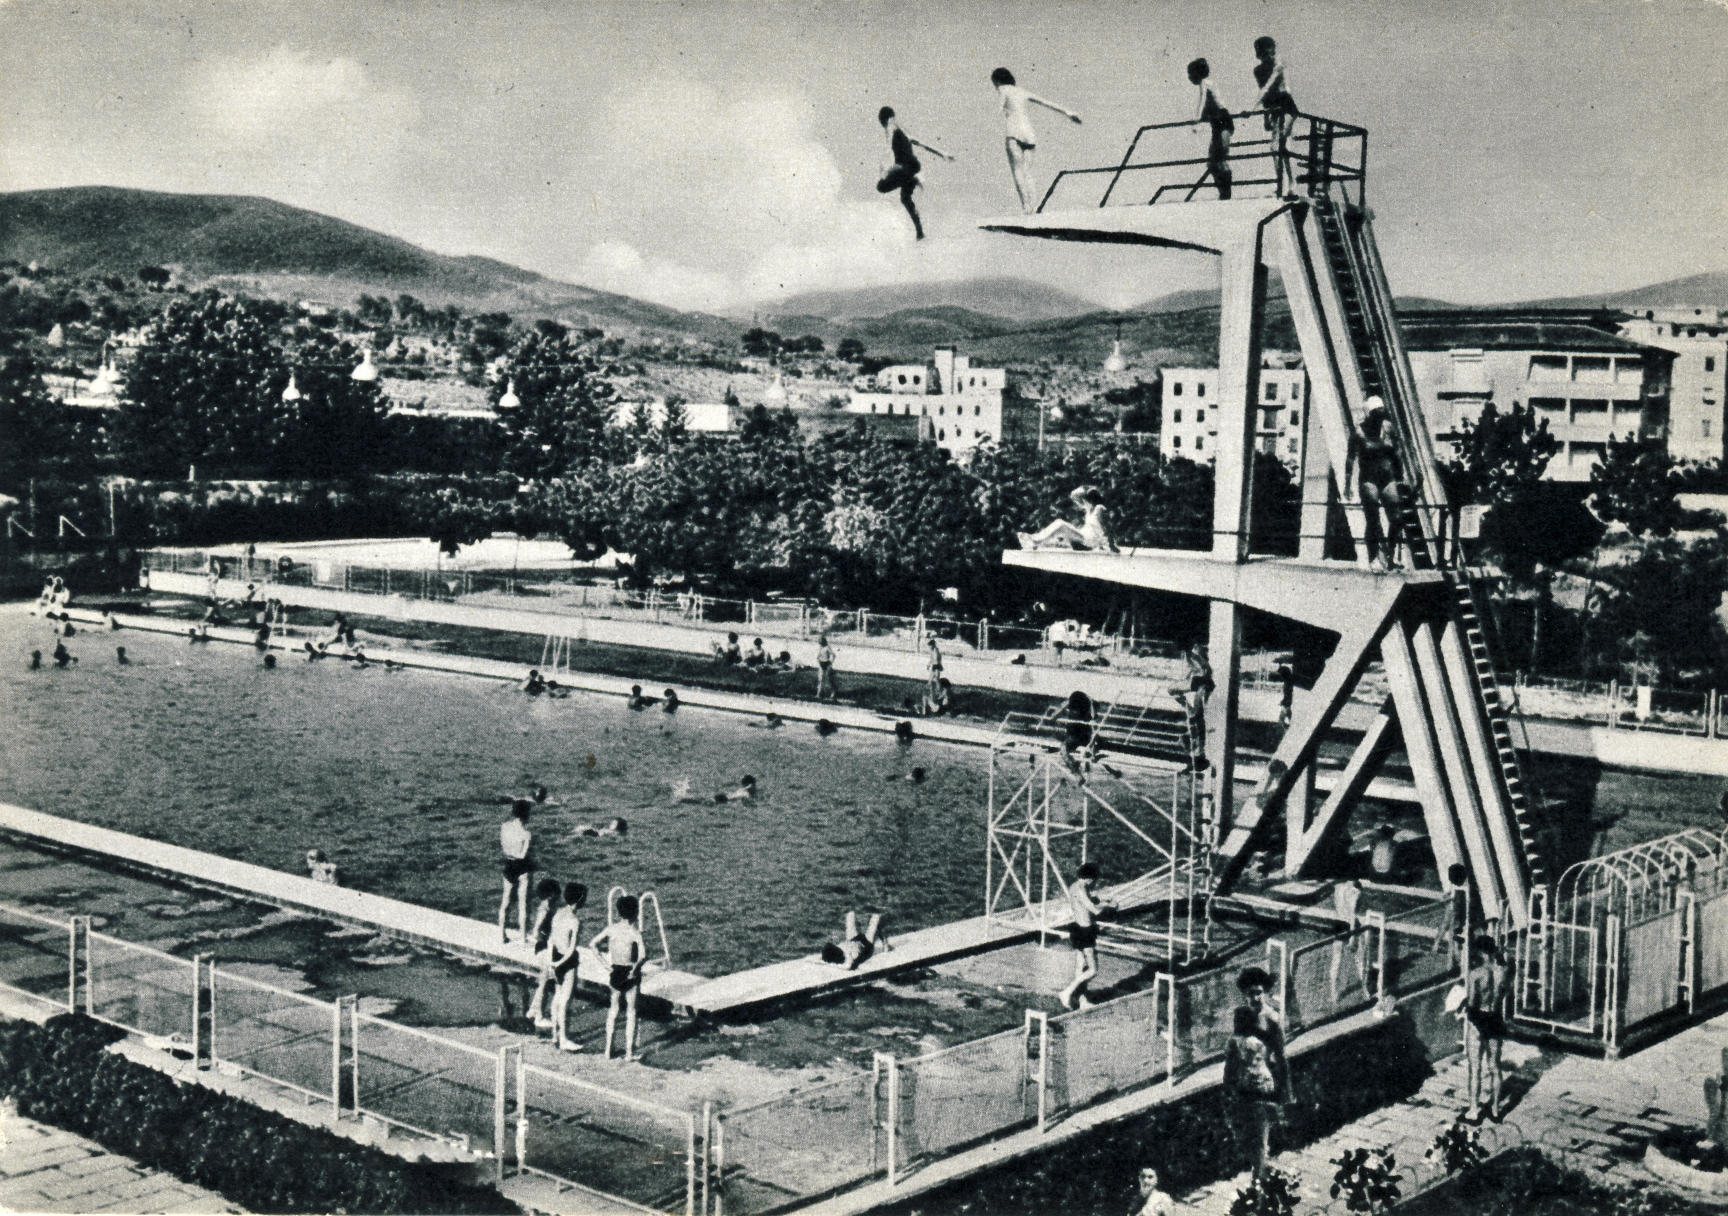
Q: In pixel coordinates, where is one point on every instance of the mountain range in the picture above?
(265, 247)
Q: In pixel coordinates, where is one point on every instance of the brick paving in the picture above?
(43, 1169)
(1592, 1115)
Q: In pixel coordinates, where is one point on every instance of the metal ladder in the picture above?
(1511, 769)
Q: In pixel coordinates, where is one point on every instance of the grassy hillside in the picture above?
(1015, 300)
(1708, 290)
(266, 247)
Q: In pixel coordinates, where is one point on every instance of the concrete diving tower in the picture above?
(1424, 621)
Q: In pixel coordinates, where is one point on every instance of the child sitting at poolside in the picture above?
(320, 868)
(855, 948)
(756, 656)
(728, 654)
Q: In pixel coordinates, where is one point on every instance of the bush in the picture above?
(61, 1074)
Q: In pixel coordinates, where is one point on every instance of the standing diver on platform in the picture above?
(1217, 118)
(904, 175)
(1380, 486)
(1021, 139)
(1280, 110)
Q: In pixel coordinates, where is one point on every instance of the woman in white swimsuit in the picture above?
(1021, 138)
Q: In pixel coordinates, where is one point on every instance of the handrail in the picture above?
(648, 897)
(1320, 136)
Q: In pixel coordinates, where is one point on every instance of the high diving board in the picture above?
(1315, 592)
(1207, 227)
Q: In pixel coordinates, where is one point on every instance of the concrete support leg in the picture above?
(1224, 649)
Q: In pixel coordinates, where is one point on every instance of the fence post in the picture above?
(1042, 1076)
(77, 928)
(863, 622)
(1377, 922)
(707, 1151)
(1281, 977)
(81, 952)
(1614, 703)
(500, 1108)
(887, 1068)
(689, 1162)
(350, 1005)
(203, 1012)
(1166, 981)
(1611, 995)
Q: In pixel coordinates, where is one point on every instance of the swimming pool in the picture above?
(403, 778)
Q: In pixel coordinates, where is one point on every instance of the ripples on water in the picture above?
(403, 778)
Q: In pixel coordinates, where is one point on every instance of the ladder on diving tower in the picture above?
(1371, 326)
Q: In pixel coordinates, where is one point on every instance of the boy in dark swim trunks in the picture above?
(1379, 486)
(855, 948)
(1280, 110)
(548, 893)
(904, 175)
(1484, 1025)
(516, 841)
(1083, 934)
(625, 954)
(1217, 118)
(565, 937)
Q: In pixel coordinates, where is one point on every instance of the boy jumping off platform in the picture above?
(904, 175)
(1021, 139)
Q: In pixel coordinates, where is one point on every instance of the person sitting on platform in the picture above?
(854, 949)
(756, 656)
(1061, 534)
(534, 685)
(728, 654)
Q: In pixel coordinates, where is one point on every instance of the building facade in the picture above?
(1189, 414)
(1698, 389)
(1584, 380)
(963, 405)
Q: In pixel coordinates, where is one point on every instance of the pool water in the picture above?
(404, 777)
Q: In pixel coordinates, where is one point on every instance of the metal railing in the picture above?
(1323, 153)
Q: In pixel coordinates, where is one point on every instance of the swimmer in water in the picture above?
(772, 722)
(270, 662)
(320, 868)
(637, 701)
(916, 777)
(746, 791)
(199, 634)
(614, 827)
(534, 685)
(670, 705)
(62, 656)
(542, 798)
(35, 660)
(120, 656)
(825, 728)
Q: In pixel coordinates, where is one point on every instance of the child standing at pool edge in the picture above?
(516, 840)
(626, 954)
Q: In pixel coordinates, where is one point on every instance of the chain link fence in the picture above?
(591, 1139)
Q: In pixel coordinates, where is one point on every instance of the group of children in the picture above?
(1020, 139)
(556, 933)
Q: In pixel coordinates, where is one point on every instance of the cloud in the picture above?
(711, 198)
(303, 124)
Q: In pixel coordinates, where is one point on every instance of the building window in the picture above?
(1293, 447)
(941, 435)
(1199, 415)
(1296, 391)
(923, 411)
(1271, 391)
(1176, 441)
(1199, 390)
(873, 407)
(941, 410)
(1709, 363)
(1175, 415)
(1176, 389)
(1295, 417)
(1548, 367)
(977, 411)
(1199, 443)
(902, 377)
(1706, 428)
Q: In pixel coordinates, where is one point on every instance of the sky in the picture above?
(723, 154)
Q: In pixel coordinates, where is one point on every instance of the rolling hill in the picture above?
(269, 248)
(1708, 290)
(1014, 300)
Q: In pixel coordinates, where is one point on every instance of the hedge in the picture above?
(60, 1074)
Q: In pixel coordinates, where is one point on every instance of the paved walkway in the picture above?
(1593, 1115)
(43, 1169)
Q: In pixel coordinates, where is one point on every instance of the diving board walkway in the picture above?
(468, 939)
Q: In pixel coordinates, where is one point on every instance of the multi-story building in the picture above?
(963, 405)
(1698, 392)
(1586, 381)
(1189, 416)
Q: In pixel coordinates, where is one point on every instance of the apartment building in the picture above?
(1189, 415)
(964, 405)
(1585, 380)
(1698, 392)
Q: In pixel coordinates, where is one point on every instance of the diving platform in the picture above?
(1396, 592)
